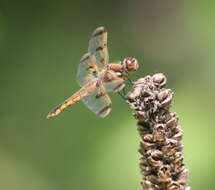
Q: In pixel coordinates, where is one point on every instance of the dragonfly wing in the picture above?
(87, 70)
(98, 46)
(112, 82)
(98, 102)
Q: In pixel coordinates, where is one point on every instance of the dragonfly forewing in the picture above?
(98, 46)
(87, 70)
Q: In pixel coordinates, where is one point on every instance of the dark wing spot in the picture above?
(90, 67)
(84, 58)
(100, 32)
(95, 74)
(118, 86)
(105, 109)
(99, 95)
(99, 48)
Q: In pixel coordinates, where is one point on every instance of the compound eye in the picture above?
(131, 64)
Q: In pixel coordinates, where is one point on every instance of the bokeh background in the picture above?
(41, 43)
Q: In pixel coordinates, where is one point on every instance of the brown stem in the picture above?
(161, 161)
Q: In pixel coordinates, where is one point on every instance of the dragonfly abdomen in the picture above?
(83, 92)
(71, 100)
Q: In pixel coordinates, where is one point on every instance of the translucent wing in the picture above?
(87, 70)
(98, 46)
(112, 82)
(98, 102)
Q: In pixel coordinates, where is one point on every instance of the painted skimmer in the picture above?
(96, 76)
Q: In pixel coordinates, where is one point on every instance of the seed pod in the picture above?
(159, 80)
(159, 132)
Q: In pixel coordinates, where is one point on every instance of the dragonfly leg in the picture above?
(122, 94)
(129, 82)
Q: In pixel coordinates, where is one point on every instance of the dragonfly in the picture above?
(96, 77)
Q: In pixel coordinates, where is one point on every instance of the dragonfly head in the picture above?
(130, 64)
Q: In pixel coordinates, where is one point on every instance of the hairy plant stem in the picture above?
(161, 161)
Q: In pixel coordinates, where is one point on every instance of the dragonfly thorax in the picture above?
(122, 69)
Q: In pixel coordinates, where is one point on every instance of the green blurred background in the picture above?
(41, 43)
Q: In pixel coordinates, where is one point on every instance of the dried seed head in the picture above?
(161, 163)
